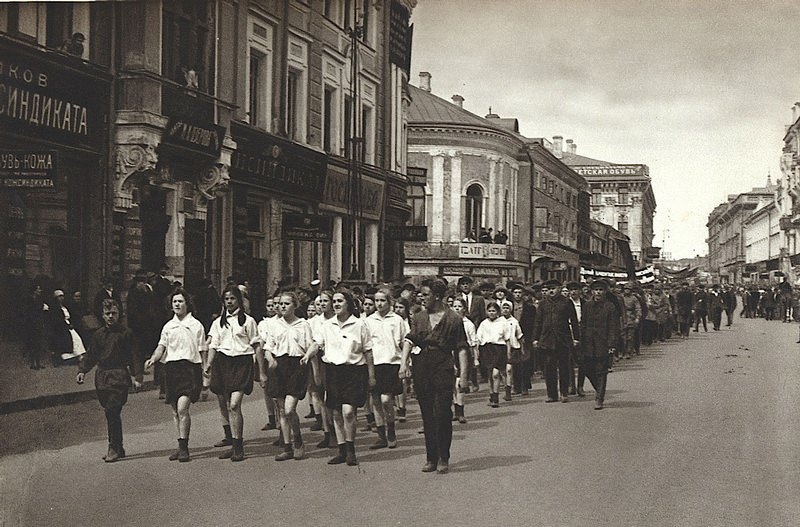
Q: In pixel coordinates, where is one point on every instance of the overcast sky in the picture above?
(700, 91)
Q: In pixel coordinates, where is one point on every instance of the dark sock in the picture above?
(350, 447)
(382, 432)
(391, 434)
(227, 430)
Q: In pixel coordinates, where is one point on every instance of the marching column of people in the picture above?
(372, 349)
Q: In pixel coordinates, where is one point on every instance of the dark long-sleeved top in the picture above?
(433, 367)
(684, 301)
(599, 328)
(111, 348)
(556, 324)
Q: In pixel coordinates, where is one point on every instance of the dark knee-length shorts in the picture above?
(288, 378)
(232, 374)
(346, 384)
(182, 377)
(387, 380)
(494, 356)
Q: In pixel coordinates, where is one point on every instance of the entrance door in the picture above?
(155, 223)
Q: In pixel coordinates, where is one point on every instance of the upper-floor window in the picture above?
(297, 91)
(64, 26)
(416, 199)
(259, 73)
(622, 226)
(622, 195)
(474, 210)
(187, 55)
(597, 196)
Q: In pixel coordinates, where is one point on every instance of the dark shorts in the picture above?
(346, 384)
(387, 380)
(494, 356)
(232, 374)
(288, 378)
(112, 387)
(182, 377)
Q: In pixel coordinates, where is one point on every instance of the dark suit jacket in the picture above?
(599, 328)
(477, 309)
(554, 318)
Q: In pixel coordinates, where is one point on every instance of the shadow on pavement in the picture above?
(630, 404)
(487, 462)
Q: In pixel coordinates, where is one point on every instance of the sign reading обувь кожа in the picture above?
(28, 168)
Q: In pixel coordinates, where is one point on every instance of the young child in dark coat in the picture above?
(111, 350)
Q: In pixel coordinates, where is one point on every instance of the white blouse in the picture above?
(293, 339)
(496, 331)
(235, 339)
(388, 334)
(183, 339)
(344, 343)
(472, 335)
(516, 332)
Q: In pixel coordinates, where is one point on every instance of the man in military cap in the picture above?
(599, 335)
(555, 332)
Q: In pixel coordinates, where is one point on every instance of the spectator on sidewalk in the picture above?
(34, 310)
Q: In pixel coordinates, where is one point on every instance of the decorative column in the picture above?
(437, 203)
(336, 250)
(456, 184)
(371, 250)
(491, 208)
(135, 157)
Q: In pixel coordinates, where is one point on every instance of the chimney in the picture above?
(425, 81)
(458, 100)
(570, 146)
(557, 145)
(491, 115)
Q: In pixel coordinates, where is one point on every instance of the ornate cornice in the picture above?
(213, 180)
(135, 158)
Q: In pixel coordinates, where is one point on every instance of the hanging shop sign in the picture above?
(336, 197)
(612, 170)
(195, 136)
(400, 36)
(407, 233)
(28, 168)
(44, 100)
(459, 270)
(307, 227)
(270, 162)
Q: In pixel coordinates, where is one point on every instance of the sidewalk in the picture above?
(22, 388)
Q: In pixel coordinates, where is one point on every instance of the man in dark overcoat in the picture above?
(555, 332)
(599, 335)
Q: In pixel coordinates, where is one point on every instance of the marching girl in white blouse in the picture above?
(317, 384)
(515, 341)
(349, 371)
(465, 356)
(182, 341)
(288, 348)
(494, 336)
(270, 316)
(234, 341)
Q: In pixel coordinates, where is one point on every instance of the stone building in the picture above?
(762, 240)
(470, 194)
(787, 198)
(621, 196)
(726, 235)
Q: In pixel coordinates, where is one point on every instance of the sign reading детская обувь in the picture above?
(28, 169)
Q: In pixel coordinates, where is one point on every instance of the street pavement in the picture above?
(702, 432)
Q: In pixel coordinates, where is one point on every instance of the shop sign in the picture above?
(407, 233)
(15, 239)
(199, 137)
(400, 35)
(307, 227)
(612, 170)
(43, 100)
(337, 194)
(483, 272)
(273, 163)
(485, 251)
(28, 168)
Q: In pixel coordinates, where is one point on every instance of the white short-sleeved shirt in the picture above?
(265, 327)
(235, 339)
(344, 343)
(472, 335)
(292, 339)
(388, 334)
(496, 331)
(516, 332)
(183, 339)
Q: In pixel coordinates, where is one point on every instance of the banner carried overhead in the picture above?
(643, 276)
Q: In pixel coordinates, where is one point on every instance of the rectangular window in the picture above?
(597, 196)
(622, 227)
(259, 86)
(186, 57)
(551, 186)
(347, 14)
(327, 119)
(416, 199)
(59, 24)
(23, 20)
(622, 194)
(328, 8)
(366, 20)
(348, 125)
(368, 133)
(292, 96)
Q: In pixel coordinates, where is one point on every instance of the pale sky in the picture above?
(700, 91)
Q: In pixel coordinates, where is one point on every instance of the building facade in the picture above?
(787, 199)
(559, 219)
(55, 101)
(470, 194)
(621, 196)
(726, 236)
(762, 239)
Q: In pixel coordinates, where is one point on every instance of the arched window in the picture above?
(474, 210)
